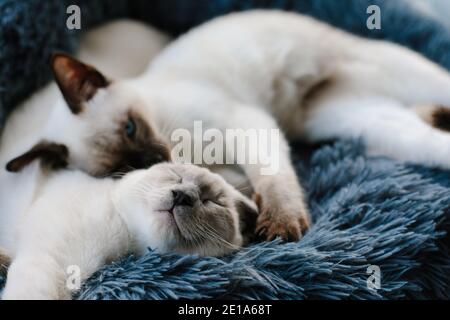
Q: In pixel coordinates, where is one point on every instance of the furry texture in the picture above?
(366, 210)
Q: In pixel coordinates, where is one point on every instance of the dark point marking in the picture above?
(247, 219)
(440, 118)
(77, 81)
(120, 153)
(317, 89)
(52, 156)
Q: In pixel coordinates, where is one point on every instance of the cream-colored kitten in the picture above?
(82, 222)
(269, 70)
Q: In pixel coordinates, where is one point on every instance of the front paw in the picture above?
(289, 221)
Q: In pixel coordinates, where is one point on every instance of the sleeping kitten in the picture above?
(81, 221)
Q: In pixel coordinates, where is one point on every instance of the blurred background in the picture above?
(438, 8)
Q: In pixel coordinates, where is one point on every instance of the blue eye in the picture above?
(130, 128)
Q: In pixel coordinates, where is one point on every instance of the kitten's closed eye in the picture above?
(212, 201)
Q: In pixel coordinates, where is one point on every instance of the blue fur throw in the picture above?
(367, 211)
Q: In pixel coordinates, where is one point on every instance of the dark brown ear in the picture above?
(248, 214)
(77, 81)
(52, 155)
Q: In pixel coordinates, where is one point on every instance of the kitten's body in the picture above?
(77, 220)
(268, 69)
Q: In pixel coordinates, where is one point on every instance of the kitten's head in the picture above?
(185, 209)
(105, 126)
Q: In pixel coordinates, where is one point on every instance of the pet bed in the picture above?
(367, 212)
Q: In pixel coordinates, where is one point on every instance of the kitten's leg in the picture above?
(283, 211)
(35, 278)
(389, 70)
(385, 126)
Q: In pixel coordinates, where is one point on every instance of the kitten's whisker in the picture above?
(215, 236)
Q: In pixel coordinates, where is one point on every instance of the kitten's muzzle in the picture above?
(184, 209)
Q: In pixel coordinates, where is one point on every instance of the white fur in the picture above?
(58, 230)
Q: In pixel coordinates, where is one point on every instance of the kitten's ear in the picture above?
(248, 214)
(77, 81)
(51, 155)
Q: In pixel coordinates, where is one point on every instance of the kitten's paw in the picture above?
(277, 221)
(284, 226)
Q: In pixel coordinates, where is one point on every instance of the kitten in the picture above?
(70, 110)
(78, 220)
(270, 70)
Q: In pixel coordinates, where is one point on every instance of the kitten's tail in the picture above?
(5, 261)
(437, 116)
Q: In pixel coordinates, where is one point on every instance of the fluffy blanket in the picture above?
(366, 211)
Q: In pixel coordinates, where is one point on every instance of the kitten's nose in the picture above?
(182, 198)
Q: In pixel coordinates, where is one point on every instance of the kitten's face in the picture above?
(182, 208)
(116, 134)
(103, 127)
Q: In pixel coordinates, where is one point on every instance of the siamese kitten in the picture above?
(84, 222)
(269, 70)
(70, 110)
